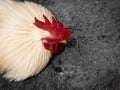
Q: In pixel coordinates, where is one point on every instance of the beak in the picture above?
(63, 42)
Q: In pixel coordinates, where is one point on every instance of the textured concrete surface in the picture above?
(91, 59)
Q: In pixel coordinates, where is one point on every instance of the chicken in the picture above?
(29, 37)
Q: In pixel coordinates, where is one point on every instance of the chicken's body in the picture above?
(29, 36)
(21, 51)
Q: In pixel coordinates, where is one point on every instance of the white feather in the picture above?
(22, 53)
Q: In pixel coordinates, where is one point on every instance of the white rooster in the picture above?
(29, 36)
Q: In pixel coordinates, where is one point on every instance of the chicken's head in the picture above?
(59, 34)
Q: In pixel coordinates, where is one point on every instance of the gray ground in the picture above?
(91, 59)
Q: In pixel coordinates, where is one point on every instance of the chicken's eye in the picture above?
(51, 40)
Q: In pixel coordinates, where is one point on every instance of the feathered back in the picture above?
(21, 51)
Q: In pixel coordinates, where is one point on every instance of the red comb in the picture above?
(56, 29)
